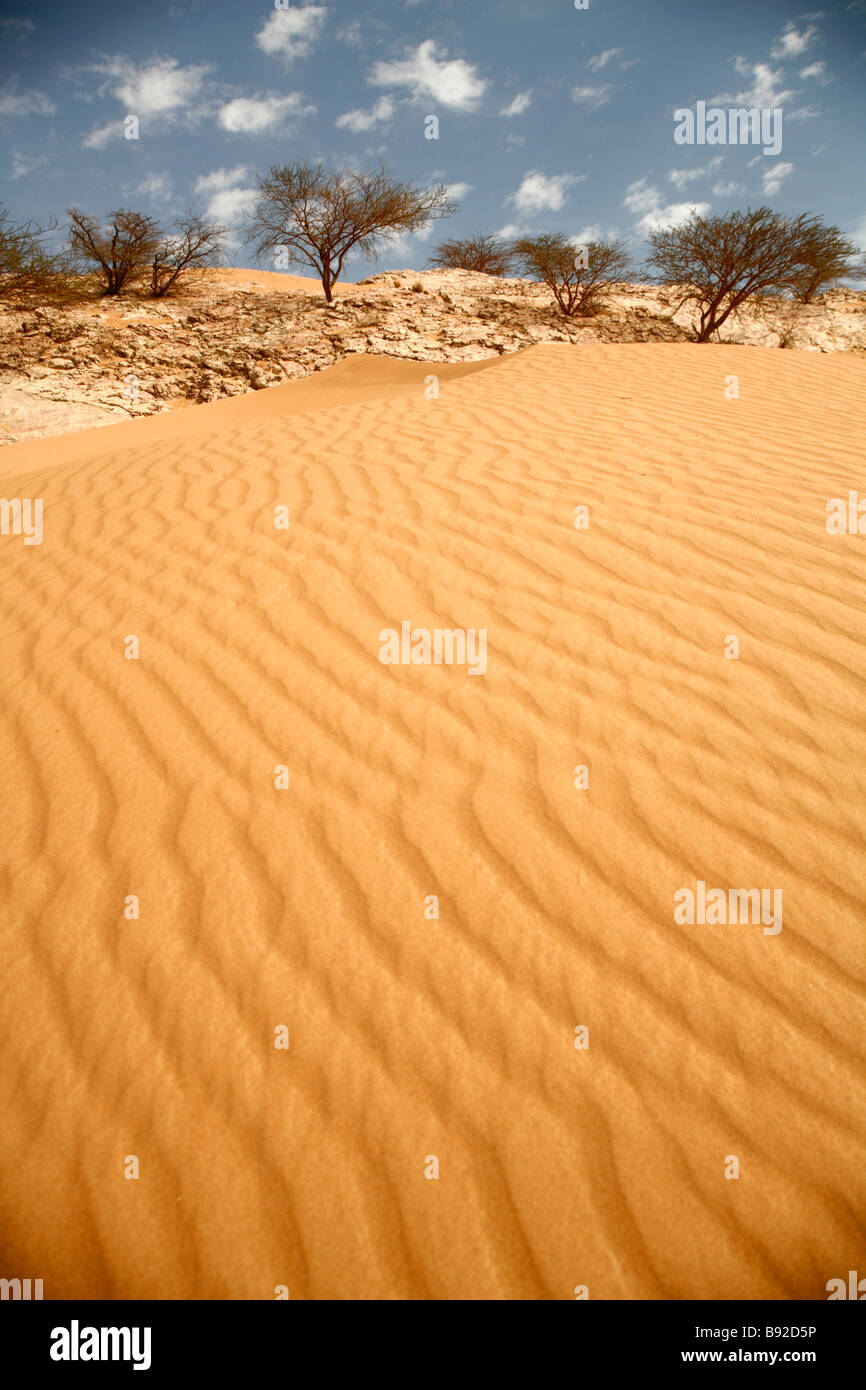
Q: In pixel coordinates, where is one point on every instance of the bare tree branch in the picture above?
(317, 217)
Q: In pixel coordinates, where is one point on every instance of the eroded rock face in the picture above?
(136, 357)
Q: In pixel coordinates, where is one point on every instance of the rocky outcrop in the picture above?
(135, 357)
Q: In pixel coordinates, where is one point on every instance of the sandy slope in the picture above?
(305, 907)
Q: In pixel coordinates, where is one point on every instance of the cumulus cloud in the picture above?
(652, 214)
(292, 33)
(359, 120)
(252, 114)
(521, 103)
(538, 191)
(429, 74)
(229, 199)
(156, 87)
(592, 96)
(764, 87)
(792, 42)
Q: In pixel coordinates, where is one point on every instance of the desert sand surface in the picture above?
(411, 1038)
(228, 332)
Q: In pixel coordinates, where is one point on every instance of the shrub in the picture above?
(579, 278)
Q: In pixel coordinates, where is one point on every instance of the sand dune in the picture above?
(413, 1038)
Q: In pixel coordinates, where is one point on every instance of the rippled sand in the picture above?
(413, 1038)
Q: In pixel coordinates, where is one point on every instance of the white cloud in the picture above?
(646, 203)
(728, 190)
(521, 103)
(24, 164)
(818, 71)
(251, 114)
(359, 120)
(592, 96)
(793, 41)
(157, 87)
(228, 203)
(537, 191)
(458, 190)
(351, 33)
(15, 103)
(680, 177)
(601, 60)
(764, 90)
(100, 136)
(586, 234)
(157, 186)
(18, 26)
(773, 177)
(292, 33)
(428, 74)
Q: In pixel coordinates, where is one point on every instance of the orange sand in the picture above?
(412, 1038)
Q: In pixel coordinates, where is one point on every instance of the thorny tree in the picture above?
(320, 216)
(488, 254)
(192, 244)
(579, 277)
(723, 261)
(827, 256)
(120, 251)
(27, 269)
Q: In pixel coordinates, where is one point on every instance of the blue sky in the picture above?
(550, 118)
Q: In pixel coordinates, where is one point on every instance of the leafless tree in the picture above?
(192, 245)
(28, 270)
(318, 216)
(721, 262)
(488, 254)
(120, 251)
(580, 277)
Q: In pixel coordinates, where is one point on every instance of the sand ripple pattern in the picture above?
(305, 907)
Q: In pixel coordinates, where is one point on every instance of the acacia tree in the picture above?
(723, 261)
(192, 245)
(27, 269)
(120, 250)
(580, 277)
(827, 259)
(488, 254)
(316, 216)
